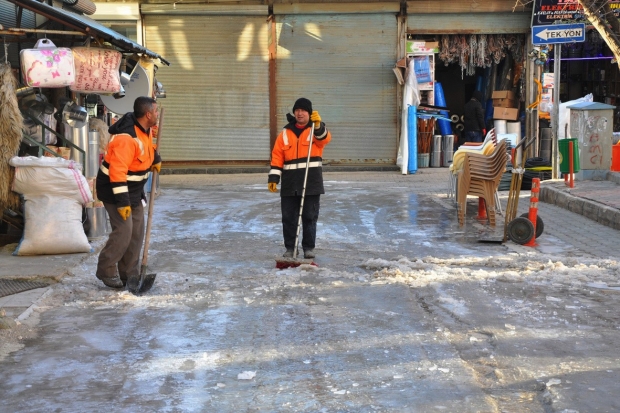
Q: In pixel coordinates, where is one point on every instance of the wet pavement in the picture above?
(406, 310)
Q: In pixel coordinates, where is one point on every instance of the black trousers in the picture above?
(290, 215)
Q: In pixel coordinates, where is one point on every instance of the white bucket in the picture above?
(500, 126)
(513, 127)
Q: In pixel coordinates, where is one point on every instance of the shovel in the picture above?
(146, 280)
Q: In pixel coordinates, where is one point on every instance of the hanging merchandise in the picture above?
(47, 65)
(411, 97)
(412, 138)
(97, 70)
(40, 109)
(482, 50)
(422, 68)
(444, 125)
(139, 85)
(11, 123)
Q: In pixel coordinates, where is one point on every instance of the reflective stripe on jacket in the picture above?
(289, 156)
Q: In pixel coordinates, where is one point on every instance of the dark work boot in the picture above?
(288, 253)
(309, 253)
(133, 283)
(114, 282)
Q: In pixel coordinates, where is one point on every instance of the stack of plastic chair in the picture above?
(485, 147)
(480, 177)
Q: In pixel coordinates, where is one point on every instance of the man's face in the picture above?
(151, 116)
(302, 117)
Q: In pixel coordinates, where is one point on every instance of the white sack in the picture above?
(53, 225)
(50, 176)
(48, 162)
(564, 114)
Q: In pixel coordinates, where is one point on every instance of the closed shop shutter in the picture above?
(217, 87)
(8, 18)
(343, 64)
(471, 23)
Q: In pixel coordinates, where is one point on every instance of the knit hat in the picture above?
(477, 95)
(304, 104)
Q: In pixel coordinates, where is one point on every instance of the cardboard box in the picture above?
(503, 94)
(505, 103)
(505, 113)
(51, 148)
(64, 153)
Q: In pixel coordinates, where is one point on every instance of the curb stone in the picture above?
(593, 210)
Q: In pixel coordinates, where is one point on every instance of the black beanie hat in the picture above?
(477, 95)
(303, 103)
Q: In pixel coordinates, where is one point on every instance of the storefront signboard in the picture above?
(547, 12)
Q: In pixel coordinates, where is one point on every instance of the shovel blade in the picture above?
(147, 283)
(134, 284)
(142, 284)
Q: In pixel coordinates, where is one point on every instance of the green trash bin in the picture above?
(563, 148)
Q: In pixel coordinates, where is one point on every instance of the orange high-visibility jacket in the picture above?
(126, 164)
(289, 157)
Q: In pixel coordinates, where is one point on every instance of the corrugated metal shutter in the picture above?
(217, 104)
(468, 23)
(343, 64)
(477, 6)
(8, 18)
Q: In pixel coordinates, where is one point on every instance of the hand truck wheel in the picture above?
(520, 230)
(540, 225)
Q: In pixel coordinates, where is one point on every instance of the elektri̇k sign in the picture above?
(548, 12)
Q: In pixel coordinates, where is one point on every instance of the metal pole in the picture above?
(557, 54)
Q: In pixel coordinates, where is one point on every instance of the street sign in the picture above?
(559, 33)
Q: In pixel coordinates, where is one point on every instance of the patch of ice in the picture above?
(246, 375)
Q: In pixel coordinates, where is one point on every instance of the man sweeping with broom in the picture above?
(297, 159)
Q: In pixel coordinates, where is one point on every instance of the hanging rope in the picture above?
(6, 51)
(471, 65)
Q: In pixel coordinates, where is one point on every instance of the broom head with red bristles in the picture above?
(283, 263)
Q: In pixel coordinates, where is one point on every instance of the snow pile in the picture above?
(544, 269)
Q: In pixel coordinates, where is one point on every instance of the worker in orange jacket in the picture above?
(126, 166)
(288, 162)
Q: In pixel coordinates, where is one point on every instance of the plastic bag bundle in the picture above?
(422, 69)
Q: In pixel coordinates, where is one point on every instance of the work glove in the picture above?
(316, 118)
(156, 167)
(484, 133)
(273, 187)
(124, 212)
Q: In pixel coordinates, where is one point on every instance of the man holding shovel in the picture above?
(289, 161)
(129, 157)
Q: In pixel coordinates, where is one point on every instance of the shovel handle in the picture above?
(147, 238)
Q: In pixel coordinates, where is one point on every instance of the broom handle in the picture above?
(303, 192)
(147, 238)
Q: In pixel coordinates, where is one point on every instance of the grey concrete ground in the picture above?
(406, 311)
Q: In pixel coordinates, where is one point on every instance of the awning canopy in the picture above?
(87, 26)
